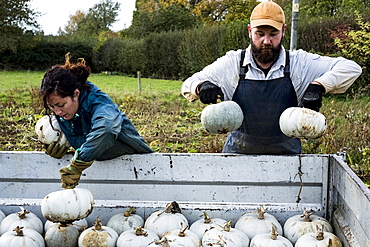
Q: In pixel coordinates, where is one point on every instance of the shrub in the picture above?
(319, 36)
(354, 44)
(200, 47)
(162, 58)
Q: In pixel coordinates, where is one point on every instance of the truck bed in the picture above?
(224, 185)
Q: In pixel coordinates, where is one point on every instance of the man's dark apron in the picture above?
(262, 102)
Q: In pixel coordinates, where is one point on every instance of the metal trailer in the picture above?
(224, 185)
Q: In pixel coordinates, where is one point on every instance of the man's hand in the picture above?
(312, 98)
(209, 93)
(56, 150)
(71, 174)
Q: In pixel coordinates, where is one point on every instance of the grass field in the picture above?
(169, 123)
(20, 85)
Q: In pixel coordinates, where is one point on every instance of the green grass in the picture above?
(169, 123)
(20, 85)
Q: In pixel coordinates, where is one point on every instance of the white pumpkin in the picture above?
(67, 205)
(22, 219)
(48, 133)
(24, 237)
(80, 225)
(298, 225)
(98, 235)
(318, 239)
(270, 240)
(206, 223)
(2, 216)
(300, 122)
(227, 236)
(127, 220)
(222, 117)
(162, 221)
(139, 237)
(254, 223)
(183, 237)
(62, 235)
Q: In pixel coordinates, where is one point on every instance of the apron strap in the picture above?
(244, 69)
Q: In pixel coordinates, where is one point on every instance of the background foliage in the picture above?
(172, 39)
(169, 123)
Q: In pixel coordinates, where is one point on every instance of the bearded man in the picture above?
(265, 79)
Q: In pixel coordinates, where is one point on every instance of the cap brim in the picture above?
(267, 22)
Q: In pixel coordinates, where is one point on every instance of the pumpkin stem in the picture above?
(207, 219)
(129, 211)
(182, 231)
(227, 226)
(68, 222)
(22, 214)
(97, 224)
(274, 233)
(319, 233)
(168, 209)
(172, 207)
(164, 241)
(306, 215)
(18, 231)
(63, 224)
(261, 213)
(139, 231)
(330, 243)
(175, 208)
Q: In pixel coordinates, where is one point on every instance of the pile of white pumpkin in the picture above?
(166, 228)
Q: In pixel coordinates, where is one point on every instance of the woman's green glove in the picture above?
(71, 174)
(56, 150)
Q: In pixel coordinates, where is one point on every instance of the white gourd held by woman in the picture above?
(48, 130)
(67, 205)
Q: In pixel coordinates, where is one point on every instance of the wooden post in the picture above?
(294, 30)
(139, 81)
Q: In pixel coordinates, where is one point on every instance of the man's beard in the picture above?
(266, 56)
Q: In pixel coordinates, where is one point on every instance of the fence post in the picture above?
(294, 30)
(139, 81)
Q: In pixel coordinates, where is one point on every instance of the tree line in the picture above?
(172, 39)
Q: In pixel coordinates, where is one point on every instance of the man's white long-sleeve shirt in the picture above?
(335, 74)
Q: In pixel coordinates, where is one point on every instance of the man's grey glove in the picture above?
(312, 98)
(56, 150)
(209, 93)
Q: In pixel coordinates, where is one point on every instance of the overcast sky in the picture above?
(55, 14)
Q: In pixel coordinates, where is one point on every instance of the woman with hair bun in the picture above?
(95, 127)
